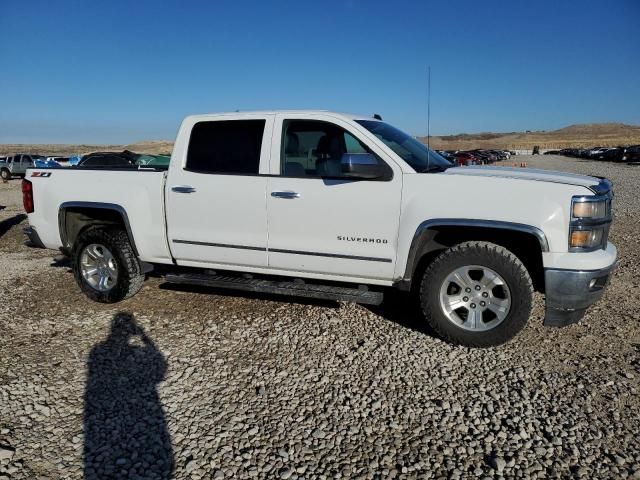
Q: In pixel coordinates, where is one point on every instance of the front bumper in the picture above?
(34, 238)
(570, 292)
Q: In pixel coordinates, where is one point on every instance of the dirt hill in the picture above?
(149, 146)
(583, 135)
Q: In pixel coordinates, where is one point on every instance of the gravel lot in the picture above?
(189, 384)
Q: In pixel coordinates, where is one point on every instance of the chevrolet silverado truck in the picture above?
(335, 206)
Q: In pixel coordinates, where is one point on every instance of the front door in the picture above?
(215, 195)
(321, 222)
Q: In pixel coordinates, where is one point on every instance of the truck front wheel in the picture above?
(5, 174)
(476, 294)
(105, 265)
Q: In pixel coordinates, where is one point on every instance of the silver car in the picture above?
(17, 165)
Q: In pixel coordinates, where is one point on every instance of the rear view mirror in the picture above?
(363, 165)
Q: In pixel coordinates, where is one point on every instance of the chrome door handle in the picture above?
(183, 189)
(285, 194)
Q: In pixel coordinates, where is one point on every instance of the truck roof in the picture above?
(346, 116)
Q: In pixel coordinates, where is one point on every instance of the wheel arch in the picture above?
(433, 236)
(75, 217)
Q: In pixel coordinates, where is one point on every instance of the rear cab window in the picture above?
(226, 147)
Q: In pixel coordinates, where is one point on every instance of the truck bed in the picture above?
(139, 191)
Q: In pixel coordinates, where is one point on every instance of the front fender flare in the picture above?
(423, 239)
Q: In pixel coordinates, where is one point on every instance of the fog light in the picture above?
(592, 283)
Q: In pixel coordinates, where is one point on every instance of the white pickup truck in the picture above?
(328, 205)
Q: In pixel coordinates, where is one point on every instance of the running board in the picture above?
(296, 288)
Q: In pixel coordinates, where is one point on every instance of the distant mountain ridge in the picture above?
(578, 135)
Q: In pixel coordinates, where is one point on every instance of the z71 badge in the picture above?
(41, 174)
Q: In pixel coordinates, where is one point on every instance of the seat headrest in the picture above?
(293, 144)
(323, 146)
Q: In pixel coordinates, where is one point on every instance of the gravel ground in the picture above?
(196, 384)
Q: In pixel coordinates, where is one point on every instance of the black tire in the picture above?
(130, 277)
(5, 174)
(485, 254)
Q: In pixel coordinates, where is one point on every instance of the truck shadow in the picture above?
(125, 431)
(398, 307)
(404, 309)
(6, 225)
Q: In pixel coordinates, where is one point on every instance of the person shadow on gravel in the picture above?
(125, 432)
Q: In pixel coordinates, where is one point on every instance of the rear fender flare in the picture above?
(113, 207)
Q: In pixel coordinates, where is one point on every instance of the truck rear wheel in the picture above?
(5, 174)
(476, 294)
(105, 265)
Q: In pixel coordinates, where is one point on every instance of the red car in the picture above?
(464, 158)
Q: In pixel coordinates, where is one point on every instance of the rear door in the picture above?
(215, 193)
(321, 222)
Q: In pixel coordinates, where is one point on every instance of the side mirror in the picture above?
(363, 165)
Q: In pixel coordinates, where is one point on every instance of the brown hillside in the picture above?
(150, 146)
(584, 135)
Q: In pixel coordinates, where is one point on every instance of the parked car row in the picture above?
(613, 154)
(475, 157)
(17, 165)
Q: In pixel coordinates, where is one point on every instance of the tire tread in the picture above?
(117, 239)
(520, 303)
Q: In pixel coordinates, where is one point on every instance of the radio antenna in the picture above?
(428, 117)
(429, 107)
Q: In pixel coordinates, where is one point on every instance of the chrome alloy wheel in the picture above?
(475, 298)
(98, 267)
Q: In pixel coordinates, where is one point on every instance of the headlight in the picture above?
(590, 222)
(594, 209)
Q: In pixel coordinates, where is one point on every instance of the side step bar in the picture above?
(293, 288)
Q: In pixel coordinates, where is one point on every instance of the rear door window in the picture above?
(230, 147)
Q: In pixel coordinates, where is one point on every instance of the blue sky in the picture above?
(122, 71)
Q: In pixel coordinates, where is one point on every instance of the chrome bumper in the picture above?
(570, 292)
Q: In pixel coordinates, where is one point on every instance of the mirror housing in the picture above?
(364, 166)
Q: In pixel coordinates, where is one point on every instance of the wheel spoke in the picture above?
(453, 302)
(467, 275)
(459, 279)
(107, 256)
(474, 319)
(490, 280)
(90, 272)
(499, 306)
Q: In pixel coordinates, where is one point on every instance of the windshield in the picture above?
(406, 147)
(37, 157)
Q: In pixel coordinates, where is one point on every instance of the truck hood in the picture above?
(526, 174)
